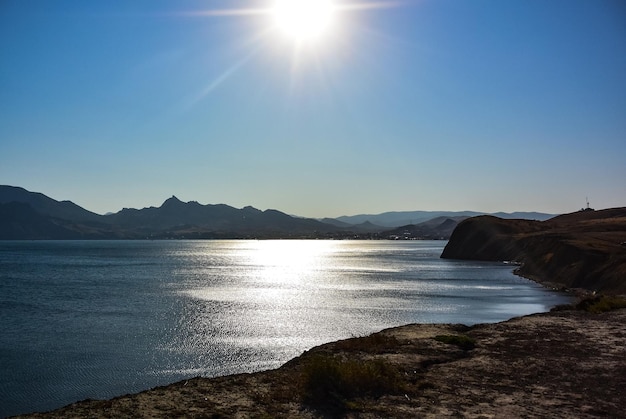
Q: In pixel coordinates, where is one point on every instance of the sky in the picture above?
(484, 105)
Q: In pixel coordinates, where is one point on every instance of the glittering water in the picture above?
(96, 319)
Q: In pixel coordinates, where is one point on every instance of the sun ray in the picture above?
(339, 6)
(312, 30)
(369, 5)
(226, 12)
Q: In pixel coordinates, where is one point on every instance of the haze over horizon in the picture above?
(382, 106)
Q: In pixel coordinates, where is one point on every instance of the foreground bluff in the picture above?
(585, 249)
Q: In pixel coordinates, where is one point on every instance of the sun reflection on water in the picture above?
(280, 296)
(187, 308)
(283, 261)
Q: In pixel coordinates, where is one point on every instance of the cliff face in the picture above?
(578, 250)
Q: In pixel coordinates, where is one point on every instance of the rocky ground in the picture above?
(566, 363)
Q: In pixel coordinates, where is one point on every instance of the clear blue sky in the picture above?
(483, 105)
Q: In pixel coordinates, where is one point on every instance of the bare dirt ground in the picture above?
(553, 365)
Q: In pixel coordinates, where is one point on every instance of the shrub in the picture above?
(563, 307)
(462, 341)
(601, 304)
(375, 343)
(331, 383)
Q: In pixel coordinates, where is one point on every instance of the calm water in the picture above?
(99, 319)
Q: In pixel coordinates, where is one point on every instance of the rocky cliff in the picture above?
(585, 249)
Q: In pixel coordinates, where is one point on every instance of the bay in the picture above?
(97, 319)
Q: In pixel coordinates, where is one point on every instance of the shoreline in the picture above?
(569, 361)
(252, 394)
(263, 371)
(578, 294)
(414, 355)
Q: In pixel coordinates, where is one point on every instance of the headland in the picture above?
(584, 250)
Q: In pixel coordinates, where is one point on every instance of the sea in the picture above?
(98, 319)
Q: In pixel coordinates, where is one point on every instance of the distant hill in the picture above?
(20, 221)
(584, 249)
(32, 215)
(46, 206)
(335, 222)
(191, 219)
(402, 218)
(435, 229)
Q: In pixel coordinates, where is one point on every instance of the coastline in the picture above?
(578, 294)
(578, 251)
(566, 360)
(566, 363)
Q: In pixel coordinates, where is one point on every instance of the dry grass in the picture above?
(462, 341)
(374, 343)
(602, 304)
(333, 384)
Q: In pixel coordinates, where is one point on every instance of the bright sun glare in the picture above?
(304, 20)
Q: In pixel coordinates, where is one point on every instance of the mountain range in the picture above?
(401, 218)
(32, 215)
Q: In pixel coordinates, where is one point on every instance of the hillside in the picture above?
(34, 216)
(435, 229)
(31, 215)
(44, 205)
(175, 218)
(579, 250)
(397, 219)
(20, 221)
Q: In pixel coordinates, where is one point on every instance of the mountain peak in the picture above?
(173, 201)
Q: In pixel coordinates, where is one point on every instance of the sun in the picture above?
(304, 20)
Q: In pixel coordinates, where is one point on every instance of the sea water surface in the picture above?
(97, 319)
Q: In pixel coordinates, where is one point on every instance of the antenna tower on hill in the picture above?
(588, 208)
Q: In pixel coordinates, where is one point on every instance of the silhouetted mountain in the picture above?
(435, 229)
(366, 227)
(29, 215)
(335, 222)
(402, 218)
(19, 221)
(191, 219)
(46, 206)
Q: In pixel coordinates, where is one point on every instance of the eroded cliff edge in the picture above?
(584, 250)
